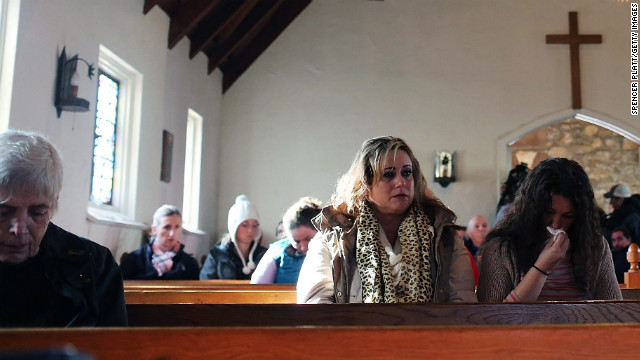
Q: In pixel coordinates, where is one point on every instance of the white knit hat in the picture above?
(241, 211)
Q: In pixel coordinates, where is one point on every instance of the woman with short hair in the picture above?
(164, 257)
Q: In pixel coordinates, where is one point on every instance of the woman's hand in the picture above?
(553, 252)
(533, 282)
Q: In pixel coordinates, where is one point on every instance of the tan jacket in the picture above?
(329, 273)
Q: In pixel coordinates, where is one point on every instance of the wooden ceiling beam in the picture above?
(187, 18)
(205, 35)
(280, 20)
(244, 34)
(148, 5)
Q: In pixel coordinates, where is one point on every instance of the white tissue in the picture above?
(555, 232)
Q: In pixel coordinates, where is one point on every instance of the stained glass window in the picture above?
(104, 144)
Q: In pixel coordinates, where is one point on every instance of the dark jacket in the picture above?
(224, 263)
(628, 216)
(72, 281)
(138, 266)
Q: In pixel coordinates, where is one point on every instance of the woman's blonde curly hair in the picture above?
(367, 169)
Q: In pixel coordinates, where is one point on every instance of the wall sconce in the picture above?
(443, 173)
(67, 84)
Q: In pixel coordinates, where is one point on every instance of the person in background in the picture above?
(49, 277)
(620, 241)
(282, 262)
(280, 234)
(164, 257)
(626, 211)
(509, 189)
(239, 251)
(549, 245)
(477, 231)
(462, 231)
(383, 239)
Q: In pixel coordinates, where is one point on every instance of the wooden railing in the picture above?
(609, 341)
(208, 315)
(207, 292)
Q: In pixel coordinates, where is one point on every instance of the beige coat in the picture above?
(329, 273)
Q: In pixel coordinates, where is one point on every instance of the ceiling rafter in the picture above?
(207, 32)
(237, 64)
(231, 33)
(244, 34)
(187, 17)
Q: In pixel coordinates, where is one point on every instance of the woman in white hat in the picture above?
(239, 251)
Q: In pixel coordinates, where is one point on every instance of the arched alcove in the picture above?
(608, 149)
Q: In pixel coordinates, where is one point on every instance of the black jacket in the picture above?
(138, 266)
(72, 281)
(224, 263)
(627, 216)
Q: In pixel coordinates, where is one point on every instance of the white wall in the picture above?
(452, 75)
(457, 75)
(172, 83)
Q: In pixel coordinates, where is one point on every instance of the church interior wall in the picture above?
(171, 85)
(455, 76)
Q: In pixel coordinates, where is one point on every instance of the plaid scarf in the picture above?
(162, 261)
(415, 235)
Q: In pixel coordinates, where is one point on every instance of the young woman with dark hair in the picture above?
(549, 245)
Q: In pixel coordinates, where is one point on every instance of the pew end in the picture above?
(632, 277)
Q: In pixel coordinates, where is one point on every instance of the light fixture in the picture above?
(444, 165)
(67, 84)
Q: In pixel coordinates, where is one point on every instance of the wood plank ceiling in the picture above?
(231, 33)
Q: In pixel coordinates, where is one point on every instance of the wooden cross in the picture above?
(574, 40)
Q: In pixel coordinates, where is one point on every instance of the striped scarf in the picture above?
(162, 261)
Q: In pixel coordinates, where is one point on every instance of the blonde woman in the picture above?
(382, 239)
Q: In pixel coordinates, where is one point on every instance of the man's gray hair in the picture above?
(164, 211)
(29, 165)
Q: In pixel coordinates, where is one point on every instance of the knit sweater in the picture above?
(500, 273)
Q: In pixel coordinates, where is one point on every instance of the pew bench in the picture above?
(207, 294)
(237, 294)
(452, 314)
(182, 284)
(609, 341)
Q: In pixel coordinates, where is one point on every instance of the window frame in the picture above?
(9, 19)
(128, 134)
(192, 170)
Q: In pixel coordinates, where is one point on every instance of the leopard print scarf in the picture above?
(415, 235)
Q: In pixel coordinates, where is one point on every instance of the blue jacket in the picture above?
(288, 262)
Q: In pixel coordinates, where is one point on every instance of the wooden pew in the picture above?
(182, 284)
(197, 292)
(227, 315)
(232, 291)
(612, 341)
(629, 293)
